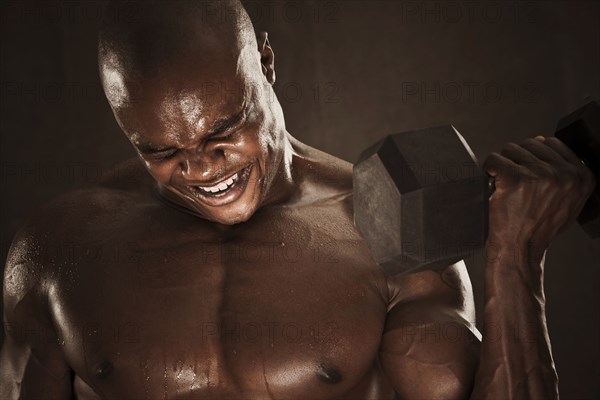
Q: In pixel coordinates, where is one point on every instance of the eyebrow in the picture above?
(221, 125)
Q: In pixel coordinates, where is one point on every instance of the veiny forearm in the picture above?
(516, 358)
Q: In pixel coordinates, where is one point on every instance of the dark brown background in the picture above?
(348, 73)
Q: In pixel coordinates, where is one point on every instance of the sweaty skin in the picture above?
(145, 286)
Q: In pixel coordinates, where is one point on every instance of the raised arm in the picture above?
(541, 187)
(32, 364)
(516, 359)
(427, 352)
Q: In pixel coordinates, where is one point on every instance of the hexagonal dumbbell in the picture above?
(421, 199)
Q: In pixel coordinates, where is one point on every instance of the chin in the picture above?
(237, 212)
(233, 218)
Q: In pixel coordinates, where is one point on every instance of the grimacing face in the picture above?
(212, 136)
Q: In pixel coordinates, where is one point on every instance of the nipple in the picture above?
(103, 369)
(328, 374)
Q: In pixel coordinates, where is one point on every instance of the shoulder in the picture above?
(35, 253)
(124, 186)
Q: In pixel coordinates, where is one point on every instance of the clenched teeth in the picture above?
(224, 185)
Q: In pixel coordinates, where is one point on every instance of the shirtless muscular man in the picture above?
(226, 285)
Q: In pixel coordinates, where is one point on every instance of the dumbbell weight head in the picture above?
(420, 199)
(580, 131)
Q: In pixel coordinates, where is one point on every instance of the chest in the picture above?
(270, 310)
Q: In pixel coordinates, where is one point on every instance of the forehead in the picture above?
(185, 97)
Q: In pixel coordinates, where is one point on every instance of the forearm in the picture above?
(516, 358)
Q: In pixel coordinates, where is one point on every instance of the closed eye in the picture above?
(158, 154)
(165, 155)
(224, 136)
(228, 128)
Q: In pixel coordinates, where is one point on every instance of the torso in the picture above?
(155, 303)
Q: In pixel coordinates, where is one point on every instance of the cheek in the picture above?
(267, 132)
(258, 140)
(161, 172)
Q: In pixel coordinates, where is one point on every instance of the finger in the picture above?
(526, 159)
(501, 168)
(541, 151)
(562, 149)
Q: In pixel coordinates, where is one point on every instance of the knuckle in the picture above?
(569, 185)
(543, 170)
(509, 147)
(553, 140)
(557, 145)
(523, 176)
(493, 157)
(529, 142)
(568, 174)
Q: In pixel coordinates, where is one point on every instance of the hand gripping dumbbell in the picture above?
(421, 199)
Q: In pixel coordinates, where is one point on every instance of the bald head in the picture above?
(143, 38)
(151, 33)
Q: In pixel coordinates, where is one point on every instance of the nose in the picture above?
(203, 165)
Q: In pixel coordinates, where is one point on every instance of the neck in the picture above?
(283, 185)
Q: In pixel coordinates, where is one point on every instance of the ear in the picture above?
(267, 57)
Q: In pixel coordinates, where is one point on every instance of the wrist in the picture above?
(514, 250)
(508, 263)
(505, 251)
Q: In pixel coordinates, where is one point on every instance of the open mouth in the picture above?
(225, 191)
(221, 187)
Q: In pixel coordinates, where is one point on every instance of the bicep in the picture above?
(430, 347)
(435, 360)
(27, 375)
(32, 363)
